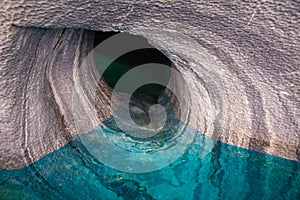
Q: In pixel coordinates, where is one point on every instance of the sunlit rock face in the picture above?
(240, 60)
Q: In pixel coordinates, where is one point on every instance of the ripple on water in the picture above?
(227, 172)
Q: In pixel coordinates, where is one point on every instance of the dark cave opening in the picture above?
(146, 95)
(130, 60)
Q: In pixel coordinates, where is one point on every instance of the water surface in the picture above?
(227, 172)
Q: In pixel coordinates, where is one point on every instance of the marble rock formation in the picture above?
(241, 60)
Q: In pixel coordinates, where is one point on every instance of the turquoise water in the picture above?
(227, 172)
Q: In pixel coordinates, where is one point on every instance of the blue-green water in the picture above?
(227, 172)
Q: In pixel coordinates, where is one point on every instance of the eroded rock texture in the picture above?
(241, 61)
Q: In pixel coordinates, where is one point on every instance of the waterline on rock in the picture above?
(225, 172)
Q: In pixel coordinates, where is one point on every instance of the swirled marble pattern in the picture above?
(245, 77)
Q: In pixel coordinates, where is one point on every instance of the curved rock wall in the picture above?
(243, 68)
(35, 95)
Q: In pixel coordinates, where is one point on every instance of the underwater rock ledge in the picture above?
(246, 94)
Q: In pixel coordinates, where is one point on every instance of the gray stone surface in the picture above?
(243, 69)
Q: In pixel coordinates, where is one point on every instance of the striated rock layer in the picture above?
(240, 59)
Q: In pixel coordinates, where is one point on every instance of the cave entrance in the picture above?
(146, 95)
(130, 60)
